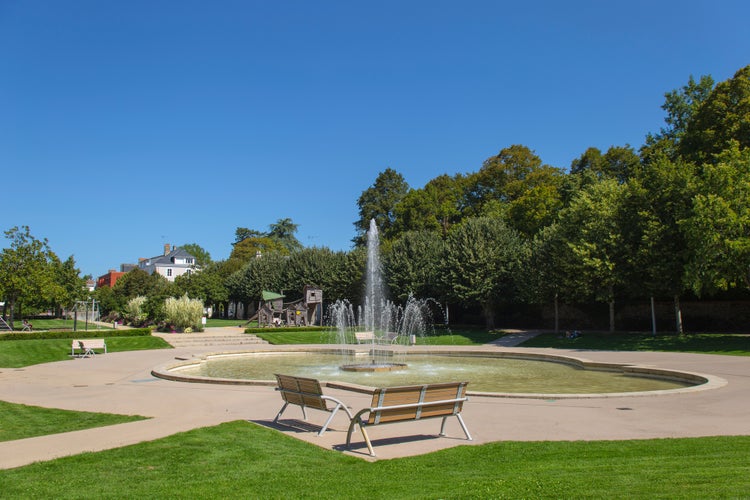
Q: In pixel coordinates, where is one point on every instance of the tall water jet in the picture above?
(379, 323)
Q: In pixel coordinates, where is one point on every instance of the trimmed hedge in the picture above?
(280, 329)
(68, 334)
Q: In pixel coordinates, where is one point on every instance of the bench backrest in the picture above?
(301, 391)
(89, 344)
(393, 404)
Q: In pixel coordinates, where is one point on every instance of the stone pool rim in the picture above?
(700, 381)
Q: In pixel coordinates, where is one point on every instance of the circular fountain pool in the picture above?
(508, 374)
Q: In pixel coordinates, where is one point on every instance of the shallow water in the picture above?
(485, 374)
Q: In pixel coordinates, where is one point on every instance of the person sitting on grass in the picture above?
(27, 327)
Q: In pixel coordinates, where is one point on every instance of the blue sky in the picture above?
(128, 125)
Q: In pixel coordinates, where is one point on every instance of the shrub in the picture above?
(134, 311)
(184, 313)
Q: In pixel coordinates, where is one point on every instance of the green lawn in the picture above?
(214, 322)
(21, 421)
(707, 343)
(18, 353)
(57, 324)
(243, 460)
(459, 336)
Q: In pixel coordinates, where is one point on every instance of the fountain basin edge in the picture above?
(698, 381)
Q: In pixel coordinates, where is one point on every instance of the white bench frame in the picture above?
(87, 346)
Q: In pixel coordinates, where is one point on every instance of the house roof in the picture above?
(169, 259)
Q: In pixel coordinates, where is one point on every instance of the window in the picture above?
(169, 272)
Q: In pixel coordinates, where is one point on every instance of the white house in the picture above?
(170, 264)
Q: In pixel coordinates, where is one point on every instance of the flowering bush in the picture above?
(184, 313)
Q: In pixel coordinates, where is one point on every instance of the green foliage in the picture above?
(202, 256)
(26, 270)
(482, 264)
(379, 202)
(412, 265)
(184, 313)
(720, 120)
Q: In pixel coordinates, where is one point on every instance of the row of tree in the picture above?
(667, 220)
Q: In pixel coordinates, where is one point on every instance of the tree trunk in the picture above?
(678, 314)
(611, 311)
(653, 317)
(557, 315)
(489, 316)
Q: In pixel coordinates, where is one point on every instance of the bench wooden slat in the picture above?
(400, 404)
(306, 393)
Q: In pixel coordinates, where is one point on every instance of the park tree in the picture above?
(619, 163)
(25, 270)
(718, 231)
(436, 207)
(256, 246)
(591, 229)
(379, 202)
(722, 119)
(67, 284)
(655, 204)
(207, 285)
(680, 106)
(412, 263)
(548, 273)
(482, 264)
(202, 256)
(284, 231)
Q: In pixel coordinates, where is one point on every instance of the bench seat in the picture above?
(86, 347)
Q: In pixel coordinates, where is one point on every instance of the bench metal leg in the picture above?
(280, 412)
(460, 421)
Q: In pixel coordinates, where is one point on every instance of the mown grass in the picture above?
(22, 421)
(441, 336)
(706, 343)
(243, 460)
(19, 353)
(57, 324)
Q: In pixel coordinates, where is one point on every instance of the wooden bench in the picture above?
(86, 347)
(408, 403)
(306, 393)
(370, 337)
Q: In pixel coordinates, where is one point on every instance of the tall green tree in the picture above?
(379, 202)
(202, 256)
(284, 231)
(482, 264)
(591, 226)
(656, 203)
(718, 231)
(680, 106)
(25, 270)
(412, 265)
(723, 118)
(436, 207)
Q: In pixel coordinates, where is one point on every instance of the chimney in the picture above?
(166, 248)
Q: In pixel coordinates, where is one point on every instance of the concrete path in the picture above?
(122, 383)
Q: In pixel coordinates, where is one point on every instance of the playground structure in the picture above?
(272, 311)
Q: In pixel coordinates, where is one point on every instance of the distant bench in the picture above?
(86, 347)
(370, 337)
(403, 404)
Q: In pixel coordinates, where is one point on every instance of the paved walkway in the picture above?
(122, 383)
